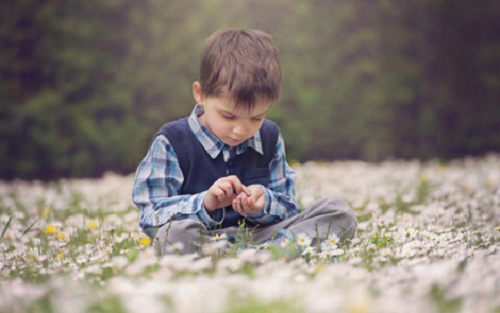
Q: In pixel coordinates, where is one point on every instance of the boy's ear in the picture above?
(198, 95)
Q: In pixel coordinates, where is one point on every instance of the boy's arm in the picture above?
(158, 181)
(280, 194)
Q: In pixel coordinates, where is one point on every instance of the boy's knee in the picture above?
(184, 232)
(334, 206)
(342, 206)
(349, 223)
(340, 213)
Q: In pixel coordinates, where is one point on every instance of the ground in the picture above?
(427, 241)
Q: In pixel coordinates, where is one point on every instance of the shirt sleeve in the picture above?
(156, 191)
(280, 193)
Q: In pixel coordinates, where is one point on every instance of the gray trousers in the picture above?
(324, 217)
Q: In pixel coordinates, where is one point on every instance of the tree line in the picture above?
(85, 84)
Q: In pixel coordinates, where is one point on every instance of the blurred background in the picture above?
(85, 84)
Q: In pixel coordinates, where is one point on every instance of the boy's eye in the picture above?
(257, 119)
(229, 117)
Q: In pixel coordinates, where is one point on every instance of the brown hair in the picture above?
(242, 64)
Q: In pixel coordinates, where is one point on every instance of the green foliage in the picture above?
(85, 85)
(111, 304)
(43, 305)
(443, 302)
(254, 305)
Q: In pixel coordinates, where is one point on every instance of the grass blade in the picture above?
(28, 229)
(5, 228)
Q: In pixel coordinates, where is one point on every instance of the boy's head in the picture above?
(241, 65)
(240, 79)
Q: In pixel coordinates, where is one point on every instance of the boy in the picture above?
(226, 162)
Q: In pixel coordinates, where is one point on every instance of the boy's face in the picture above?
(231, 125)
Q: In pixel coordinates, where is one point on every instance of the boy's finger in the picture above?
(221, 182)
(247, 191)
(236, 206)
(234, 180)
(231, 183)
(244, 189)
(251, 202)
(217, 192)
(256, 198)
(221, 194)
(227, 188)
(244, 203)
(238, 186)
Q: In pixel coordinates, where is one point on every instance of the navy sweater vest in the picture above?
(201, 171)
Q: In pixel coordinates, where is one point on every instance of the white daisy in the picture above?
(333, 239)
(385, 252)
(337, 252)
(303, 240)
(219, 237)
(327, 246)
(309, 251)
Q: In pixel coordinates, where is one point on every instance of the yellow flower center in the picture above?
(50, 230)
(61, 236)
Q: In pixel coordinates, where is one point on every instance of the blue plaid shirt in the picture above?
(160, 169)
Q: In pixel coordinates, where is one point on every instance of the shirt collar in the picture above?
(213, 145)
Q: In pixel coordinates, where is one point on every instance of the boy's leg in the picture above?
(326, 216)
(191, 234)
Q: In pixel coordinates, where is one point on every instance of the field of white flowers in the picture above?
(427, 241)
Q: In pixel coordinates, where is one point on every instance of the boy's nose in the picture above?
(240, 129)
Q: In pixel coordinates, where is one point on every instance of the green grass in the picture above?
(254, 305)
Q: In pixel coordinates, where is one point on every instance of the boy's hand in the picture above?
(222, 194)
(250, 204)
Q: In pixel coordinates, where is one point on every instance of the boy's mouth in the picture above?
(233, 140)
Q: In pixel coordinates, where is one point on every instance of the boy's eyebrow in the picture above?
(226, 112)
(262, 114)
(232, 113)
